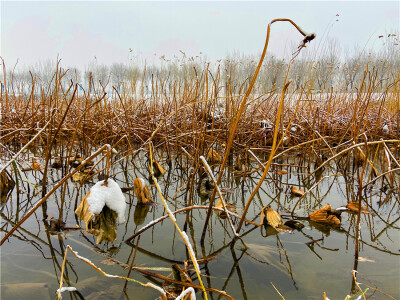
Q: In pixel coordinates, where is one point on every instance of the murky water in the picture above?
(301, 265)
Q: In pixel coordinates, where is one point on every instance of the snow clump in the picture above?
(109, 194)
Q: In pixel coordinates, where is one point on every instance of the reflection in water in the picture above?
(140, 213)
(313, 259)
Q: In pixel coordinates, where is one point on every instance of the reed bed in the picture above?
(197, 109)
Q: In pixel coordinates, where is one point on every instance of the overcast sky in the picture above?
(80, 31)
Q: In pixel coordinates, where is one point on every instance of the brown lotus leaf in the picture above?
(103, 225)
(158, 170)
(359, 156)
(35, 165)
(213, 157)
(76, 162)
(80, 177)
(82, 211)
(297, 192)
(88, 171)
(56, 164)
(273, 218)
(353, 206)
(89, 163)
(229, 207)
(326, 215)
(281, 172)
(56, 225)
(205, 186)
(142, 191)
(238, 163)
(6, 185)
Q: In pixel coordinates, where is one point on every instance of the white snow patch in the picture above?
(150, 224)
(266, 125)
(110, 195)
(83, 258)
(67, 289)
(385, 129)
(342, 208)
(186, 292)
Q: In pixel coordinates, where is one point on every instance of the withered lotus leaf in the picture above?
(281, 172)
(79, 177)
(213, 157)
(6, 185)
(326, 215)
(353, 206)
(238, 163)
(205, 186)
(297, 192)
(83, 175)
(36, 166)
(229, 207)
(82, 211)
(158, 170)
(55, 225)
(103, 225)
(56, 164)
(76, 162)
(219, 204)
(142, 191)
(273, 218)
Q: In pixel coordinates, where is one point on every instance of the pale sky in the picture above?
(78, 31)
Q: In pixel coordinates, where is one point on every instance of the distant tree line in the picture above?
(320, 73)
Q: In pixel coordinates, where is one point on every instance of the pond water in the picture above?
(301, 265)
